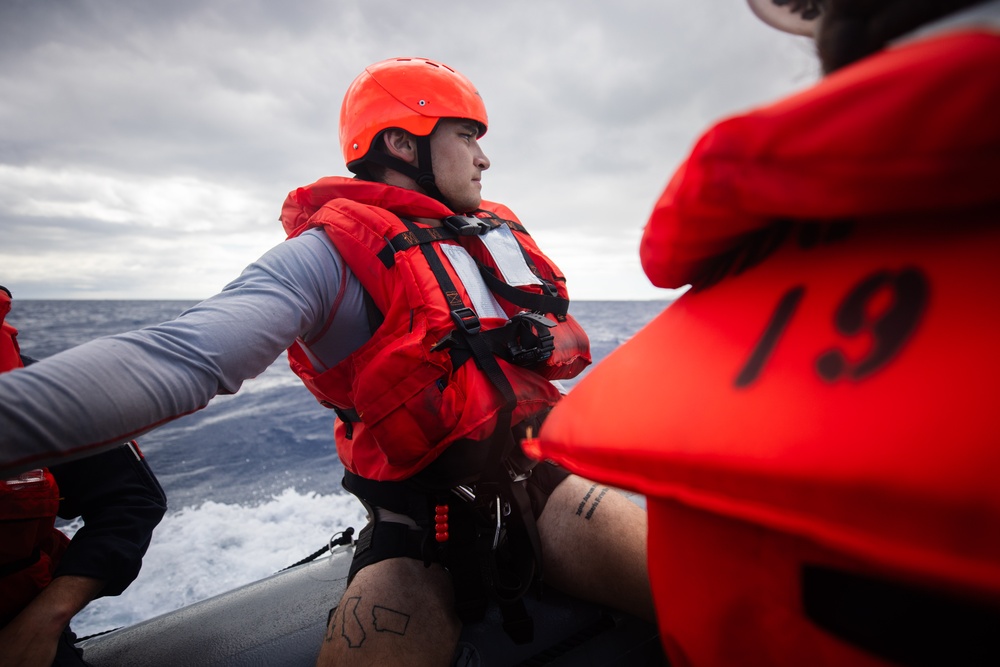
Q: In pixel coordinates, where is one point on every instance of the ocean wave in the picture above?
(204, 550)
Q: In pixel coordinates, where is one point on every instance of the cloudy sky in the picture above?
(146, 147)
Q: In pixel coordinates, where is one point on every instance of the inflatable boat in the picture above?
(281, 620)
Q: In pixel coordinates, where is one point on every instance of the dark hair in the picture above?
(853, 29)
(7, 291)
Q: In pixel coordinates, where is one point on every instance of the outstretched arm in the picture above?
(100, 394)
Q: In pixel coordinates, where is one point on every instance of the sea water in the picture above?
(252, 480)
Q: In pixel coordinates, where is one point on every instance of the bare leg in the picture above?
(594, 546)
(396, 612)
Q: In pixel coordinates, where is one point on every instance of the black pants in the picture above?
(67, 654)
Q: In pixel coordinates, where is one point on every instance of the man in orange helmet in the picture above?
(473, 315)
(433, 325)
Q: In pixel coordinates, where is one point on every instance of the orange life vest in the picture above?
(30, 545)
(412, 398)
(821, 406)
(10, 353)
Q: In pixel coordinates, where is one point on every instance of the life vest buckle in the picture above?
(532, 342)
(519, 466)
(466, 320)
(465, 226)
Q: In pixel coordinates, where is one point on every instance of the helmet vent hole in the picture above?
(423, 103)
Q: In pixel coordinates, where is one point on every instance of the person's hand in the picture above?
(31, 638)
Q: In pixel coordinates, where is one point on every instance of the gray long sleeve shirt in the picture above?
(99, 394)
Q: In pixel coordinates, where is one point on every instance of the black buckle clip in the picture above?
(465, 226)
(466, 320)
(532, 342)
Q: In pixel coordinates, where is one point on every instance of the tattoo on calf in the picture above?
(586, 497)
(344, 621)
(350, 624)
(390, 620)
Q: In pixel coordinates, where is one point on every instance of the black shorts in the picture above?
(545, 477)
(382, 540)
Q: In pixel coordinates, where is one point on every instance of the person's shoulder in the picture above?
(308, 242)
(312, 250)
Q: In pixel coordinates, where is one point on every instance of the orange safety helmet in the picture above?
(407, 93)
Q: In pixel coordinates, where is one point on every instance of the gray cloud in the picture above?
(141, 132)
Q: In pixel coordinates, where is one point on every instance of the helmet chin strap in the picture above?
(422, 173)
(425, 172)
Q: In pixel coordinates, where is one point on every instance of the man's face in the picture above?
(458, 163)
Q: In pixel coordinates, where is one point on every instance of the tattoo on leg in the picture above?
(597, 501)
(390, 620)
(351, 629)
(586, 497)
(579, 509)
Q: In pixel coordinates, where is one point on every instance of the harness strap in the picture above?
(555, 305)
(393, 496)
(482, 555)
(484, 559)
(375, 316)
(381, 539)
(414, 236)
(346, 415)
(493, 563)
(543, 303)
(525, 341)
(495, 221)
(467, 324)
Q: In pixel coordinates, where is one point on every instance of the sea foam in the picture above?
(201, 551)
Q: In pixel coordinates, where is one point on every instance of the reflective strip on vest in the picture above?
(506, 252)
(480, 295)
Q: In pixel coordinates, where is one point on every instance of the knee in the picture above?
(394, 610)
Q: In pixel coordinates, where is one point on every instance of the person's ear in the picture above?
(401, 144)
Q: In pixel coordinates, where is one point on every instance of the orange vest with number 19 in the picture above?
(815, 423)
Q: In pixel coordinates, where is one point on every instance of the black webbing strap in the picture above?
(508, 573)
(478, 572)
(481, 570)
(380, 540)
(496, 221)
(467, 559)
(516, 620)
(543, 303)
(413, 236)
(467, 324)
(524, 341)
(393, 496)
(521, 503)
(375, 316)
(551, 303)
(348, 416)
